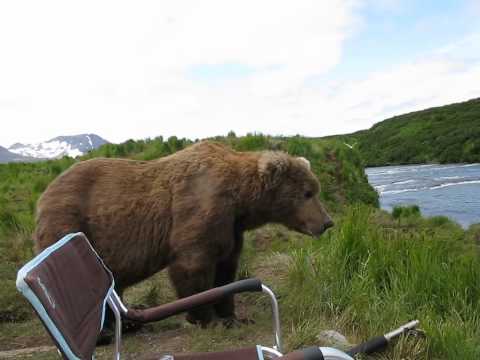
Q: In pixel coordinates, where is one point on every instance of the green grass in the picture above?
(446, 134)
(370, 273)
(364, 277)
(371, 278)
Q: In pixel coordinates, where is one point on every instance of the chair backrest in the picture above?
(68, 286)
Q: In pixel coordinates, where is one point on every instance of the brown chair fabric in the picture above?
(72, 284)
(240, 354)
(296, 355)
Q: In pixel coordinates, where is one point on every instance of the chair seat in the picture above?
(250, 353)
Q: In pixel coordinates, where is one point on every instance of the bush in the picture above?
(251, 142)
(298, 146)
(406, 211)
(439, 220)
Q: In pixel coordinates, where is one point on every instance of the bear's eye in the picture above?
(308, 194)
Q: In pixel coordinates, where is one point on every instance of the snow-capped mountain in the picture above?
(7, 156)
(72, 146)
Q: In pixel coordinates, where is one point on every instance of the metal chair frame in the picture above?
(118, 308)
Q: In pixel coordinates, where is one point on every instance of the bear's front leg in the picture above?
(189, 276)
(225, 274)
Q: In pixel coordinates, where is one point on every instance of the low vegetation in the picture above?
(446, 134)
(369, 278)
(370, 273)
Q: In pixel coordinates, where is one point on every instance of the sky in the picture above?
(194, 69)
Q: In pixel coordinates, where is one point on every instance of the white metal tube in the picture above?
(276, 318)
(270, 353)
(118, 327)
(119, 302)
(408, 326)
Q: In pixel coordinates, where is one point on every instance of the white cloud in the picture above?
(451, 74)
(122, 70)
(394, 6)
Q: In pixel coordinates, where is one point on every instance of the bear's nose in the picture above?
(328, 224)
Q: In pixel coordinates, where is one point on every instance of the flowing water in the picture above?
(449, 190)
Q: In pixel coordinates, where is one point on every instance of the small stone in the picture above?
(333, 339)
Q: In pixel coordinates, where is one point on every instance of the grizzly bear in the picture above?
(186, 211)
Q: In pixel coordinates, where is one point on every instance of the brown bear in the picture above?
(186, 211)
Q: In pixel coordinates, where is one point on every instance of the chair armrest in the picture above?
(311, 353)
(208, 297)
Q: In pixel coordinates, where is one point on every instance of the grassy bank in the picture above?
(374, 272)
(445, 134)
(370, 273)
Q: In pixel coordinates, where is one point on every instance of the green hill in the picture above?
(446, 134)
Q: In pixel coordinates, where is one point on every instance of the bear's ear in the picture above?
(271, 167)
(305, 162)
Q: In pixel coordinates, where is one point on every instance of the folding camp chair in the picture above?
(69, 287)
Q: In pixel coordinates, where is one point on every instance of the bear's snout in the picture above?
(311, 218)
(319, 230)
(327, 225)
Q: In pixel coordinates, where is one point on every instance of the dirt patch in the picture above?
(18, 342)
(21, 342)
(164, 343)
(12, 354)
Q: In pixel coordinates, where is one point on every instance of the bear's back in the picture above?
(101, 172)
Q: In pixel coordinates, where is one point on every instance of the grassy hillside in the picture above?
(369, 273)
(446, 134)
(340, 171)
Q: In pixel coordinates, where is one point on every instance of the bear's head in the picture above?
(291, 193)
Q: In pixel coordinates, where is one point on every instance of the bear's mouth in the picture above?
(317, 232)
(306, 231)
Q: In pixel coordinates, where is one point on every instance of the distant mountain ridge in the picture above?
(8, 156)
(73, 146)
(445, 134)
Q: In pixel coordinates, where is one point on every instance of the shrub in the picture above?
(439, 220)
(406, 211)
(298, 146)
(251, 142)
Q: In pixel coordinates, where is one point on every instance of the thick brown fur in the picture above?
(187, 212)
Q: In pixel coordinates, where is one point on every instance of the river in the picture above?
(449, 190)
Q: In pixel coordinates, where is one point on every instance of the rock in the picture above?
(333, 339)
